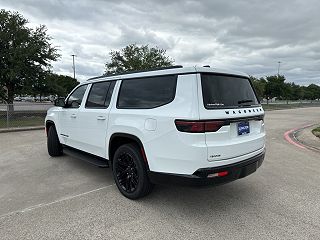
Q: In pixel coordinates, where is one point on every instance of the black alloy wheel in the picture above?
(130, 172)
(126, 172)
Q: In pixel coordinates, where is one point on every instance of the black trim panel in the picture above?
(199, 178)
(87, 157)
(240, 119)
(160, 75)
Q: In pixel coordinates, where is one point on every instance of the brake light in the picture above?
(198, 126)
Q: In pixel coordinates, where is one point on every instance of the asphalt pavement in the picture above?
(64, 198)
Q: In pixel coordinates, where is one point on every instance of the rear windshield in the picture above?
(227, 92)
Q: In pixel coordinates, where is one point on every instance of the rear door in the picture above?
(230, 102)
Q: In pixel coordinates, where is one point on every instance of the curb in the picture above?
(291, 137)
(19, 129)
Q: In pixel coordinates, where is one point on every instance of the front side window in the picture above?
(98, 96)
(75, 99)
(146, 93)
(220, 91)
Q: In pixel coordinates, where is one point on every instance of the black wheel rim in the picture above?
(126, 172)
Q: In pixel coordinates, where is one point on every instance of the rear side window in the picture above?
(100, 95)
(144, 93)
(227, 92)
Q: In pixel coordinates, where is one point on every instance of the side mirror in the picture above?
(75, 104)
(60, 102)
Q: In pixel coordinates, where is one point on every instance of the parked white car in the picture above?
(196, 125)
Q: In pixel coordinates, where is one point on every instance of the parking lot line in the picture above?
(51, 203)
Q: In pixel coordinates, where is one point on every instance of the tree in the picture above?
(287, 93)
(133, 58)
(275, 86)
(49, 83)
(296, 91)
(60, 85)
(312, 92)
(25, 53)
(259, 86)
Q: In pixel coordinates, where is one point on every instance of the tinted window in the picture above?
(226, 91)
(148, 92)
(98, 95)
(75, 99)
(109, 94)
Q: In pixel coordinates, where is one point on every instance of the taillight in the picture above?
(213, 126)
(198, 126)
(190, 126)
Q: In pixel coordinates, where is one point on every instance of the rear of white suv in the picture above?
(188, 125)
(213, 134)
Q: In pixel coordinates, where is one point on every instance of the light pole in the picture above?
(73, 66)
(279, 68)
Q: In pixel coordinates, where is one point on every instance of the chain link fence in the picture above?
(30, 114)
(23, 114)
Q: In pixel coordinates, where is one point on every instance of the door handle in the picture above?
(101, 118)
(73, 116)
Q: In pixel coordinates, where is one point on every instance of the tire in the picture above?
(130, 172)
(53, 144)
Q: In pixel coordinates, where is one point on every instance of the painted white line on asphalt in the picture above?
(57, 201)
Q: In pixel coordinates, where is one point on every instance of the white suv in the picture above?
(194, 125)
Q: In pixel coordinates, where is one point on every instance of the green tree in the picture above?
(275, 86)
(39, 84)
(134, 58)
(60, 85)
(25, 53)
(312, 92)
(259, 86)
(49, 83)
(287, 93)
(296, 91)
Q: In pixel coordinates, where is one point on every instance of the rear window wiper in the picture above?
(245, 101)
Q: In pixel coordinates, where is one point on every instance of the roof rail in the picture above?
(129, 72)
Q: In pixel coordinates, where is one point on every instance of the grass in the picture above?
(270, 107)
(22, 122)
(316, 132)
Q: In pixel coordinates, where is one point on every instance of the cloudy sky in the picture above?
(246, 35)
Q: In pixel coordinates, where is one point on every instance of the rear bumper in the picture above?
(202, 177)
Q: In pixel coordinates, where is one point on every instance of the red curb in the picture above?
(290, 136)
(289, 139)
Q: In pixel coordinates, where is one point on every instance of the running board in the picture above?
(92, 159)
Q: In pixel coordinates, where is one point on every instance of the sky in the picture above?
(250, 36)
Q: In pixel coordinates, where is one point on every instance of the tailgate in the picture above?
(232, 101)
(227, 142)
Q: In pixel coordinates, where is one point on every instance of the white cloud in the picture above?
(246, 35)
